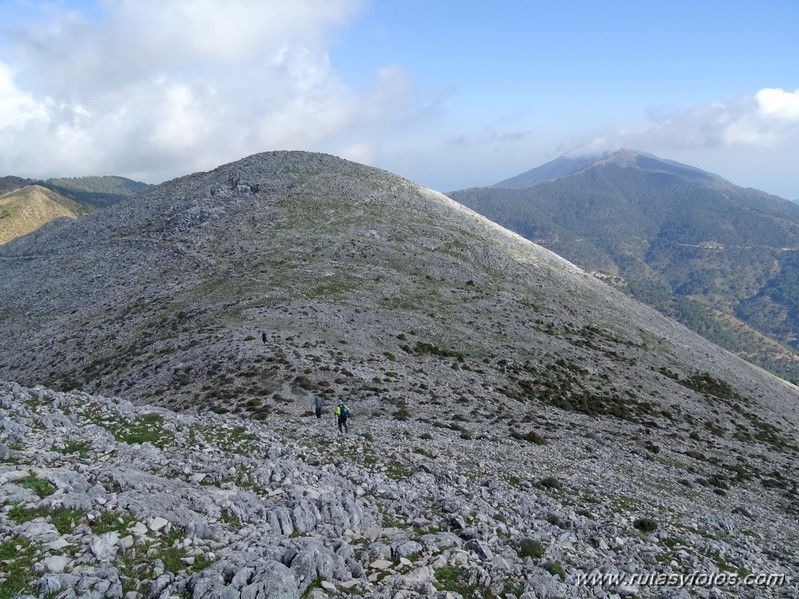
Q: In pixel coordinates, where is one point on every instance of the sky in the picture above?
(448, 94)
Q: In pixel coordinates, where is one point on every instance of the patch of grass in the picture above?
(235, 440)
(456, 580)
(136, 565)
(147, 428)
(403, 413)
(555, 520)
(714, 428)
(651, 447)
(398, 472)
(112, 521)
(77, 447)
(20, 515)
(447, 574)
(389, 522)
(672, 542)
(65, 520)
(316, 584)
(334, 287)
(40, 486)
(16, 560)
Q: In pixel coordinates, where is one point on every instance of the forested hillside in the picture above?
(719, 258)
(98, 192)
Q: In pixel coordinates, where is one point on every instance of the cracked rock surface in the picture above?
(104, 498)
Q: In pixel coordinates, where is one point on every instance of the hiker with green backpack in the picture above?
(342, 415)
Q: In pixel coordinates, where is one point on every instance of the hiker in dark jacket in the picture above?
(318, 404)
(263, 336)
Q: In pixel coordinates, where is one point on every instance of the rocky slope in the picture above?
(102, 498)
(502, 395)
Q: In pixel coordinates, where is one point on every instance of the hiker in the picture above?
(263, 336)
(318, 404)
(342, 414)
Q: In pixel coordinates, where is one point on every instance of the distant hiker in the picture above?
(318, 404)
(263, 336)
(342, 415)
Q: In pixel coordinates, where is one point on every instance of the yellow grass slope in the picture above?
(26, 209)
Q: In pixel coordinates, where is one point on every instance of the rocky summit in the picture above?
(519, 429)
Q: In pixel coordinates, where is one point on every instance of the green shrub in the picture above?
(649, 446)
(422, 451)
(403, 413)
(530, 437)
(554, 520)
(645, 525)
(447, 573)
(556, 569)
(531, 548)
(550, 482)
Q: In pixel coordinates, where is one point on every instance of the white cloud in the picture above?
(767, 120)
(751, 141)
(181, 123)
(778, 104)
(363, 152)
(17, 107)
(156, 89)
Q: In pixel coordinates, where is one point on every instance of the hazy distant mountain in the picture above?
(569, 164)
(722, 259)
(516, 423)
(26, 209)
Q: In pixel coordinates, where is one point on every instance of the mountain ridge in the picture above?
(190, 216)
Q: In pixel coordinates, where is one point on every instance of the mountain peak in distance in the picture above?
(575, 162)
